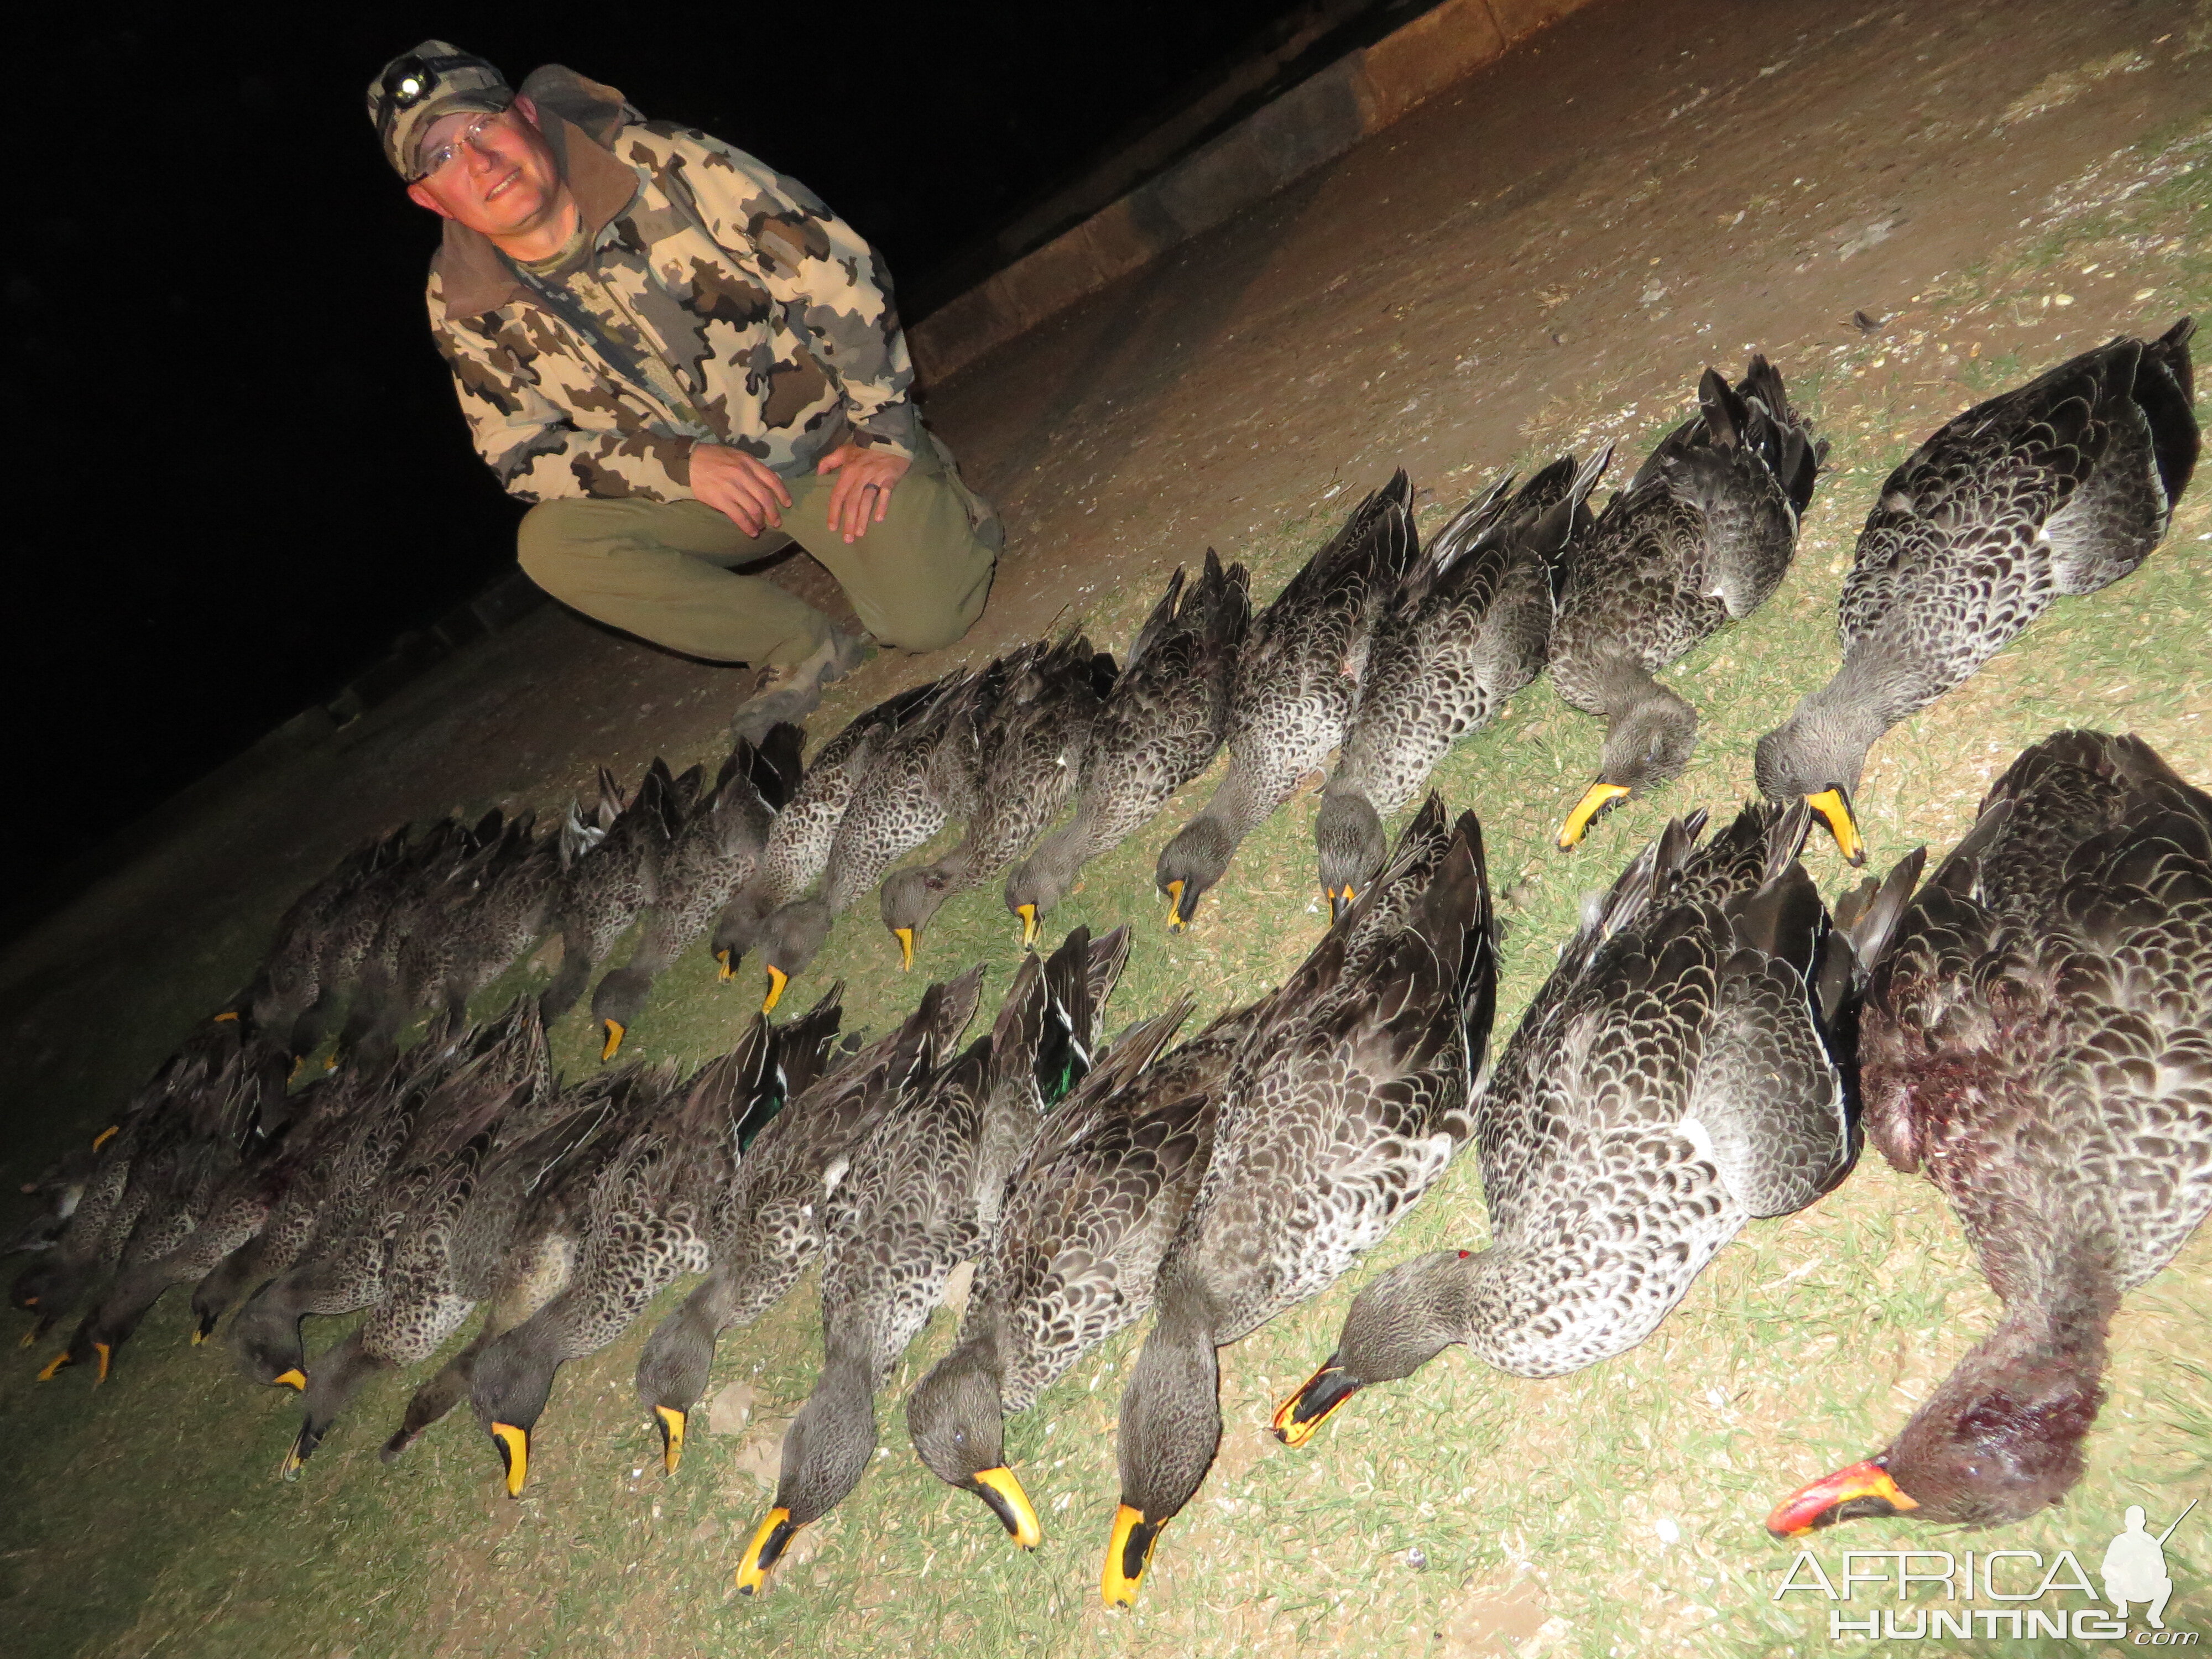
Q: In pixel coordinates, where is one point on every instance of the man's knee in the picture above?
(935, 620)
(547, 542)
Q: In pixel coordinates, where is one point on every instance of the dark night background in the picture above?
(240, 470)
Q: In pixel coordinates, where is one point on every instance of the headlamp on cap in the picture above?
(435, 79)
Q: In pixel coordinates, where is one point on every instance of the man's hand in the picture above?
(740, 488)
(862, 493)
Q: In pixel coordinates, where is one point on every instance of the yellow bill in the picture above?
(294, 1379)
(515, 1452)
(770, 1538)
(1028, 915)
(616, 1031)
(1127, 1554)
(1175, 905)
(905, 936)
(1012, 1505)
(777, 978)
(671, 1437)
(1835, 806)
(1594, 800)
(1323, 1394)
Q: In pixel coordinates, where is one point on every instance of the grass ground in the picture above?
(1615, 1512)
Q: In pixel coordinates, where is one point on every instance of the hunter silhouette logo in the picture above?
(2021, 1592)
(2135, 1567)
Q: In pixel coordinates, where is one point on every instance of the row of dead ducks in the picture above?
(2032, 1028)
(1379, 652)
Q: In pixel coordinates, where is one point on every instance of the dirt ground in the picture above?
(1905, 207)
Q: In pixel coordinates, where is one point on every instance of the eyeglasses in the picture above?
(470, 136)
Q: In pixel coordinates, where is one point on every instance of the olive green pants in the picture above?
(661, 569)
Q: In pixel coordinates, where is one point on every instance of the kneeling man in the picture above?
(685, 360)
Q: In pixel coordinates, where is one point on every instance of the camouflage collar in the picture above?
(477, 276)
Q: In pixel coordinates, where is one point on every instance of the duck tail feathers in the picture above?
(1138, 1047)
(1226, 596)
(1567, 518)
(1868, 916)
(2165, 390)
(1480, 519)
(1020, 1028)
(772, 765)
(1164, 617)
(1109, 955)
(802, 1047)
(1458, 902)
(1727, 416)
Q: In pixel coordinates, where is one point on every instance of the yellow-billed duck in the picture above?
(2063, 485)
(1297, 674)
(1702, 535)
(2039, 1044)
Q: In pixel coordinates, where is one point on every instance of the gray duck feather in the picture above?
(715, 851)
(1297, 676)
(1348, 1099)
(799, 841)
(922, 1195)
(1033, 748)
(771, 1228)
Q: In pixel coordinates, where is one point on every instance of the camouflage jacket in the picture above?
(756, 318)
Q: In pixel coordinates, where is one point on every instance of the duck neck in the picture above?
(1171, 1414)
(1498, 1286)
(1061, 854)
(2058, 1312)
(1619, 685)
(1870, 694)
(1243, 799)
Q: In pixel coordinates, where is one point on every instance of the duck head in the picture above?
(1171, 1429)
(1190, 865)
(1348, 832)
(509, 1392)
(266, 1337)
(908, 899)
(825, 1452)
(672, 1375)
(958, 1426)
(1816, 757)
(1647, 744)
(1038, 883)
(738, 932)
(791, 939)
(2000, 1440)
(338, 1377)
(1397, 1324)
(52, 1285)
(616, 1005)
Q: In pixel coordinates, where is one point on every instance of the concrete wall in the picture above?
(1314, 123)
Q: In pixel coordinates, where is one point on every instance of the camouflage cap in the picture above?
(415, 89)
